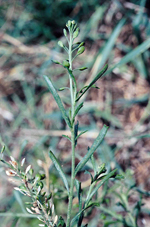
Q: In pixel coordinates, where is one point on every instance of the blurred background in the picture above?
(116, 32)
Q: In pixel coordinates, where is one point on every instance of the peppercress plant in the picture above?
(32, 185)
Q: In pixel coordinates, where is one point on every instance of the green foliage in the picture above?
(44, 22)
(40, 203)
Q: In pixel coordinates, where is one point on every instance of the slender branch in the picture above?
(72, 92)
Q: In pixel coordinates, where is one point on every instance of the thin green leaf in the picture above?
(94, 80)
(81, 133)
(3, 149)
(73, 78)
(77, 109)
(81, 90)
(67, 137)
(58, 100)
(80, 213)
(105, 178)
(94, 146)
(76, 132)
(94, 164)
(63, 88)
(94, 86)
(87, 172)
(132, 55)
(105, 53)
(6, 163)
(20, 215)
(59, 169)
(79, 190)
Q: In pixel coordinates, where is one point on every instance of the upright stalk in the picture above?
(72, 135)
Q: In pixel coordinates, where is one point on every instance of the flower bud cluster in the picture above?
(73, 34)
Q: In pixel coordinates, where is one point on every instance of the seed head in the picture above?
(81, 50)
(66, 64)
(60, 44)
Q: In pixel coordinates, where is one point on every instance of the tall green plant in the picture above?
(32, 185)
(73, 50)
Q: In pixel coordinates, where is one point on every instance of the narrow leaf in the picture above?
(63, 88)
(58, 100)
(81, 212)
(2, 150)
(67, 137)
(76, 132)
(81, 133)
(104, 54)
(94, 146)
(73, 78)
(59, 169)
(94, 80)
(130, 56)
(6, 163)
(94, 164)
(77, 109)
(79, 190)
(109, 175)
(87, 172)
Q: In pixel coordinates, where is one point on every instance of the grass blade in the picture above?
(130, 56)
(105, 53)
(59, 169)
(58, 100)
(94, 146)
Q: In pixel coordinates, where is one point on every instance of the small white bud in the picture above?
(40, 163)
(29, 211)
(14, 164)
(12, 158)
(60, 44)
(27, 169)
(11, 173)
(65, 32)
(52, 208)
(56, 219)
(39, 189)
(22, 162)
(18, 189)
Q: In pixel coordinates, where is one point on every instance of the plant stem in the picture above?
(72, 136)
(72, 179)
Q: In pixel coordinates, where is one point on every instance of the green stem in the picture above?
(72, 179)
(72, 92)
